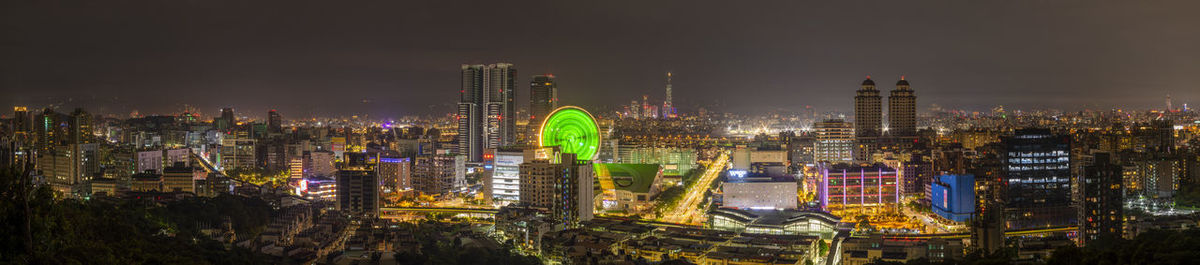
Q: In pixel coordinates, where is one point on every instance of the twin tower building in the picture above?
(868, 117)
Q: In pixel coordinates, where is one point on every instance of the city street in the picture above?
(690, 207)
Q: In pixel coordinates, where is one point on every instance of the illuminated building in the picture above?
(834, 142)
(847, 188)
(674, 161)
(902, 110)
(358, 185)
(296, 168)
(558, 182)
(435, 174)
(1102, 214)
(1038, 179)
(953, 197)
(774, 222)
(395, 173)
(486, 110)
(146, 182)
(868, 119)
(505, 173)
(179, 178)
(319, 189)
(629, 187)
(238, 152)
(150, 161)
(1159, 176)
(760, 192)
(668, 109)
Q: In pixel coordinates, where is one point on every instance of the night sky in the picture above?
(402, 57)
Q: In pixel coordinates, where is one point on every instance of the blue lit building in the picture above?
(953, 197)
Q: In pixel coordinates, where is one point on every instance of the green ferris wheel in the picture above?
(573, 130)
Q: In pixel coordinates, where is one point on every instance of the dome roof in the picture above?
(868, 82)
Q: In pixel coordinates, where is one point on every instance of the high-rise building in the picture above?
(902, 110)
(395, 173)
(486, 109)
(543, 98)
(274, 122)
(559, 183)
(358, 185)
(1101, 215)
(226, 121)
(21, 123)
(668, 110)
(434, 174)
(834, 141)
(868, 119)
(505, 174)
(953, 197)
(238, 152)
(852, 189)
(1038, 179)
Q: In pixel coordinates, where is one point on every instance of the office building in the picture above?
(902, 110)
(543, 98)
(760, 192)
(846, 189)
(150, 161)
(1038, 177)
(274, 122)
(486, 109)
(953, 197)
(146, 182)
(834, 141)
(226, 121)
(179, 178)
(1102, 216)
(358, 185)
(238, 152)
(505, 174)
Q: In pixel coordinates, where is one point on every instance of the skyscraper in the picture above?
(558, 182)
(868, 110)
(902, 110)
(274, 122)
(1037, 166)
(668, 108)
(226, 121)
(543, 98)
(486, 110)
(868, 119)
(358, 185)
(1101, 214)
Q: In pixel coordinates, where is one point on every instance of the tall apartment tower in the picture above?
(486, 109)
(868, 119)
(358, 185)
(902, 110)
(543, 98)
(559, 183)
(1101, 216)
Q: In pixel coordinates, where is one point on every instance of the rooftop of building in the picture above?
(630, 177)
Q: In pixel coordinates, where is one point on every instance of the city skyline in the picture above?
(1023, 55)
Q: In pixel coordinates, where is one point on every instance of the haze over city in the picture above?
(389, 59)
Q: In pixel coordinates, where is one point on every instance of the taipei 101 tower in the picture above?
(668, 110)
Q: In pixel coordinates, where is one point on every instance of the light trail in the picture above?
(687, 207)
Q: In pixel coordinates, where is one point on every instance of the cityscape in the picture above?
(224, 133)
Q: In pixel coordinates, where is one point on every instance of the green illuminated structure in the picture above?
(573, 130)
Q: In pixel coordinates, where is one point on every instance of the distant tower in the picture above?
(543, 98)
(1169, 107)
(902, 110)
(668, 109)
(274, 122)
(646, 111)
